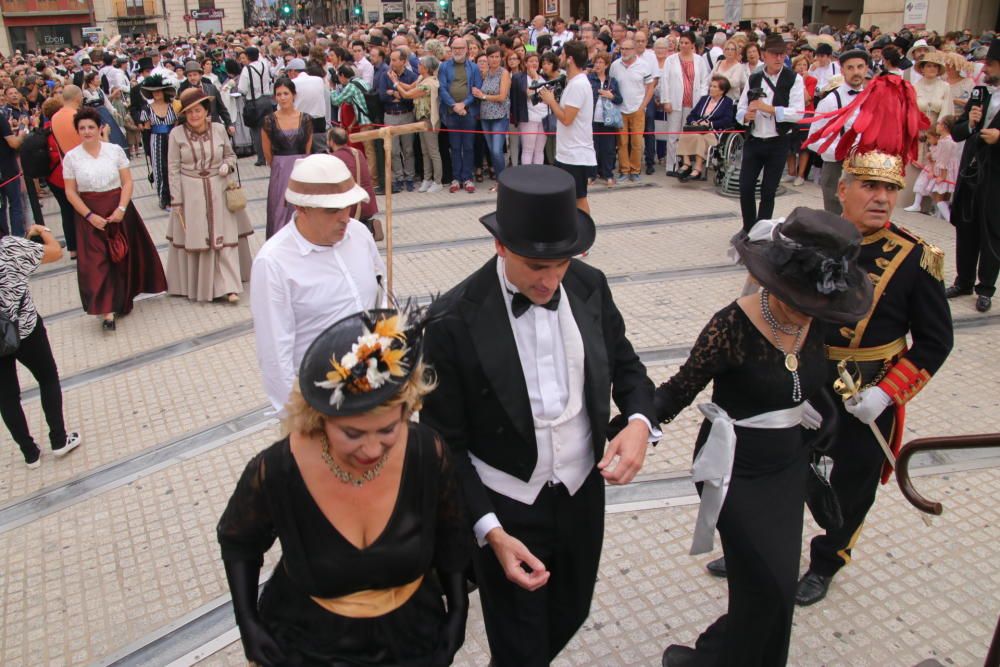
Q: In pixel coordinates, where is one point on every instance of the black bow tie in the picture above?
(520, 304)
(853, 92)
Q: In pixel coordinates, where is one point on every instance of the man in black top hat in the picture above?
(194, 78)
(976, 208)
(771, 119)
(529, 351)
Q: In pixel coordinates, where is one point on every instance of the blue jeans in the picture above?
(495, 142)
(461, 145)
(605, 145)
(10, 200)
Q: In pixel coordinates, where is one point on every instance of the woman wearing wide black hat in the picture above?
(159, 117)
(366, 508)
(764, 355)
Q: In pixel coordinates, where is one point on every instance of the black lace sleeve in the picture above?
(453, 539)
(715, 350)
(246, 529)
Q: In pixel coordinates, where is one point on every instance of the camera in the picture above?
(755, 94)
(557, 85)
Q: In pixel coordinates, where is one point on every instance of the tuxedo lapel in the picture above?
(586, 305)
(485, 314)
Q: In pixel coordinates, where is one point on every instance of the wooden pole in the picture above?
(386, 134)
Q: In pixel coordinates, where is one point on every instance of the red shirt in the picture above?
(810, 84)
(357, 164)
(55, 162)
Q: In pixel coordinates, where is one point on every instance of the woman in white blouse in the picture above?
(731, 68)
(116, 259)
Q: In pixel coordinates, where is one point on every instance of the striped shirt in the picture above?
(19, 257)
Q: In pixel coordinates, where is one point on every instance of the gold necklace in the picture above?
(343, 475)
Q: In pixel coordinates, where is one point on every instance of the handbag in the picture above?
(10, 337)
(549, 123)
(236, 196)
(612, 114)
(117, 246)
(820, 496)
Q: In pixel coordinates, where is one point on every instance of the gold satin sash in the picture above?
(879, 353)
(370, 603)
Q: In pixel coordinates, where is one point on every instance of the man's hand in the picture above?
(975, 115)
(668, 107)
(749, 116)
(459, 108)
(231, 130)
(514, 558)
(868, 405)
(990, 135)
(629, 447)
(759, 105)
(546, 95)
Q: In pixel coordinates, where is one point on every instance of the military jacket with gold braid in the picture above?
(909, 299)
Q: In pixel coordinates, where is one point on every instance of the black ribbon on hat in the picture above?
(520, 304)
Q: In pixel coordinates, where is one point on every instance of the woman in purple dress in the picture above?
(286, 136)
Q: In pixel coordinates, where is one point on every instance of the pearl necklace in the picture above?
(343, 475)
(791, 358)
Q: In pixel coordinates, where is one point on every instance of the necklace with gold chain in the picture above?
(343, 475)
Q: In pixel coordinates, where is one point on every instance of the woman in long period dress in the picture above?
(159, 118)
(209, 256)
(286, 136)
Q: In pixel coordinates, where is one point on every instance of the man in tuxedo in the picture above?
(975, 211)
(528, 352)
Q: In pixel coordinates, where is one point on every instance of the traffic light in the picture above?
(286, 9)
(443, 4)
(357, 10)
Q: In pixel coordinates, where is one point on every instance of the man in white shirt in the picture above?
(645, 53)
(361, 63)
(318, 268)
(257, 86)
(526, 352)
(537, 28)
(825, 66)
(716, 53)
(854, 66)
(636, 83)
(311, 97)
(561, 34)
(772, 118)
(574, 120)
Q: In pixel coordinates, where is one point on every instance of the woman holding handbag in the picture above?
(116, 259)
(607, 116)
(209, 256)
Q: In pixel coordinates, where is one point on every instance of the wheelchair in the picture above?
(724, 155)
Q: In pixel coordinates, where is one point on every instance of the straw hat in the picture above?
(932, 57)
(323, 181)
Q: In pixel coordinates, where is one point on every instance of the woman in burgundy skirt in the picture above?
(116, 259)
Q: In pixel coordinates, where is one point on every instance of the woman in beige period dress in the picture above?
(209, 256)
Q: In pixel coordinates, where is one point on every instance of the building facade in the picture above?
(46, 24)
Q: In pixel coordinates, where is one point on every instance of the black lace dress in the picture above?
(426, 533)
(761, 519)
(287, 146)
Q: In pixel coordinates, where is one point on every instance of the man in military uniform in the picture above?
(909, 299)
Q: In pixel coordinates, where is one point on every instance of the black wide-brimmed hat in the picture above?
(809, 261)
(362, 361)
(157, 82)
(537, 216)
(774, 43)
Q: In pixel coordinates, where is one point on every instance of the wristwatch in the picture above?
(122, 209)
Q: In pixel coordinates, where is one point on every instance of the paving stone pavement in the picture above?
(118, 566)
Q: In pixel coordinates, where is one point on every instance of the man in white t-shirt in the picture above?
(575, 117)
(636, 83)
(645, 53)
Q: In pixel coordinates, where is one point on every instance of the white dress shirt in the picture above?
(257, 73)
(366, 71)
(829, 103)
(311, 95)
(765, 124)
(550, 350)
(298, 289)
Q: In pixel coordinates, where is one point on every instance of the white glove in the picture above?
(224, 169)
(811, 418)
(868, 405)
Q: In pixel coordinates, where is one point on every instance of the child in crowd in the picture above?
(937, 179)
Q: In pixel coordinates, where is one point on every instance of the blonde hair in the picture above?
(303, 418)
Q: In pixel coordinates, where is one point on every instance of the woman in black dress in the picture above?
(366, 508)
(286, 136)
(764, 355)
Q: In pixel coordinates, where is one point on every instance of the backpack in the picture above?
(34, 153)
(374, 111)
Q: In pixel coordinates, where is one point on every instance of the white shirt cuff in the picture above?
(654, 433)
(779, 114)
(485, 524)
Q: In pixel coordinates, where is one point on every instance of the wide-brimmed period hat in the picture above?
(157, 82)
(323, 181)
(361, 361)
(537, 216)
(191, 97)
(774, 43)
(932, 57)
(192, 66)
(809, 261)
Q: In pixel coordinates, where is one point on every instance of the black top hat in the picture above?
(775, 43)
(810, 263)
(537, 216)
(994, 52)
(362, 361)
(145, 63)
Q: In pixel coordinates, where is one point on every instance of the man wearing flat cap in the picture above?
(320, 267)
(528, 352)
(194, 78)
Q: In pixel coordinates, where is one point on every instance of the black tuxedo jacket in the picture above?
(481, 404)
(220, 114)
(979, 178)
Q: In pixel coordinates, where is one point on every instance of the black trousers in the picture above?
(530, 628)
(36, 355)
(767, 155)
(977, 252)
(857, 468)
(649, 139)
(67, 215)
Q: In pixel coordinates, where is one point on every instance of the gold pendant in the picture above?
(791, 362)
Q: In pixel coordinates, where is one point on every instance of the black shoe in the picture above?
(650, 170)
(379, 190)
(812, 588)
(678, 656)
(955, 290)
(672, 173)
(983, 303)
(108, 325)
(717, 567)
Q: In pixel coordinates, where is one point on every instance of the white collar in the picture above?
(306, 246)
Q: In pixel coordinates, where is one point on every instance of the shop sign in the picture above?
(915, 14)
(208, 14)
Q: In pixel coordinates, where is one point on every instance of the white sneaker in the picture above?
(435, 187)
(787, 178)
(914, 208)
(798, 181)
(423, 186)
(73, 441)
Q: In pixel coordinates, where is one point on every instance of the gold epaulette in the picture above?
(931, 257)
